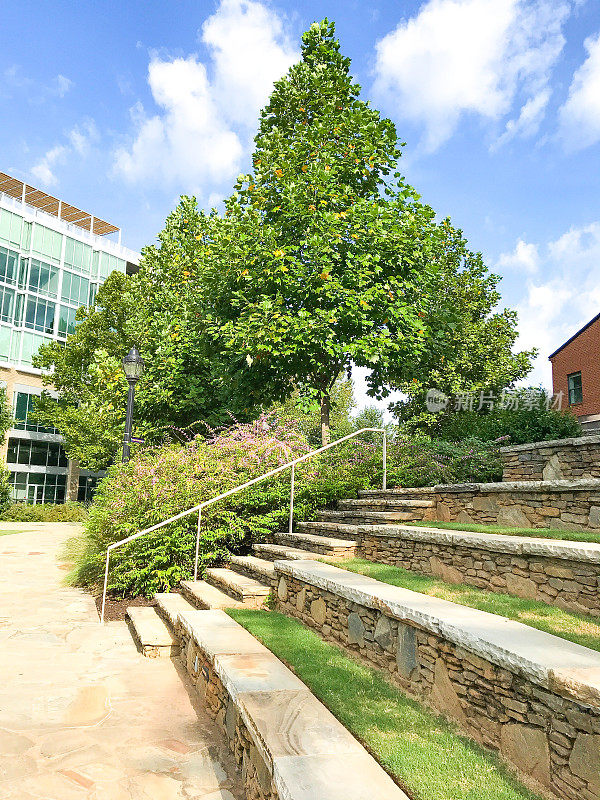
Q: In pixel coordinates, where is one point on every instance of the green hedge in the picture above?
(45, 512)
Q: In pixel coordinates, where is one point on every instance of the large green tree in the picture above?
(327, 257)
(190, 380)
(324, 259)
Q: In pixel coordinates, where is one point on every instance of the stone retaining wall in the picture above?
(288, 745)
(219, 704)
(561, 574)
(547, 736)
(560, 459)
(566, 505)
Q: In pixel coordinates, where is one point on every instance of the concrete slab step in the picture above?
(325, 545)
(259, 568)
(152, 633)
(202, 595)
(249, 591)
(384, 503)
(274, 552)
(360, 517)
(339, 530)
(170, 605)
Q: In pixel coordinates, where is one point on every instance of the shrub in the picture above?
(45, 512)
(527, 419)
(5, 490)
(419, 460)
(162, 482)
(165, 481)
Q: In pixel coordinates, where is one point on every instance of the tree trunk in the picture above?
(325, 409)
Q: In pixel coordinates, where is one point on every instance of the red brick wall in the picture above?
(580, 355)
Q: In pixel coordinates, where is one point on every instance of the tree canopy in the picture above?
(325, 258)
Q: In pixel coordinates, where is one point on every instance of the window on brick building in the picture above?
(575, 388)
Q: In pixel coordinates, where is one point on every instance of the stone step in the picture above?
(170, 605)
(399, 492)
(339, 530)
(361, 517)
(297, 748)
(376, 504)
(274, 552)
(258, 568)
(325, 545)
(246, 590)
(204, 596)
(152, 633)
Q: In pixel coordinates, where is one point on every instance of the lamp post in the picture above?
(133, 367)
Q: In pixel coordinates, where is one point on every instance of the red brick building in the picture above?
(576, 373)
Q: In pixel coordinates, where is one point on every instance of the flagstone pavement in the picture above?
(84, 716)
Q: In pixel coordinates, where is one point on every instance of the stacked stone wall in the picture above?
(562, 459)
(552, 739)
(220, 706)
(567, 583)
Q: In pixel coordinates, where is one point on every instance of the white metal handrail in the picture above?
(290, 465)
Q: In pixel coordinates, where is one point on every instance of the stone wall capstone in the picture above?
(542, 729)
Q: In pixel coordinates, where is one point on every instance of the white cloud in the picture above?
(79, 141)
(457, 57)
(249, 50)
(200, 133)
(565, 295)
(523, 257)
(528, 122)
(13, 80)
(580, 115)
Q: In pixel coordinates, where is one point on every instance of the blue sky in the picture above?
(121, 107)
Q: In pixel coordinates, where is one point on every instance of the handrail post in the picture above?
(197, 544)
(105, 585)
(291, 524)
(384, 460)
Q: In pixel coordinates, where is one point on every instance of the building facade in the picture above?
(53, 258)
(576, 373)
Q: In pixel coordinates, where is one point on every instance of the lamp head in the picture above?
(133, 365)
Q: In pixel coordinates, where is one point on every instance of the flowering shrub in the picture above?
(162, 482)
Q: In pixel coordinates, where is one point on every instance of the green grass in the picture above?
(8, 533)
(424, 752)
(579, 628)
(542, 533)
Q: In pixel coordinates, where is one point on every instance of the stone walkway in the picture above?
(82, 714)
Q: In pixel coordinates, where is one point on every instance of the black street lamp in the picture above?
(133, 367)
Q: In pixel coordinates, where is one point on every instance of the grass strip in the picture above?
(579, 628)
(9, 533)
(423, 751)
(540, 533)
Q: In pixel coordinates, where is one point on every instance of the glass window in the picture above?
(9, 265)
(5, 334)
(43, 278)
(11, 227)
(78, 255)
(75, 289)
(46, 243)
(24, 409)
(35, 487)
(87, 488)
(7, 304)
(31, 344)
(108, 264)
(66, 321)
(575, 388)
(39, 454)
(39, 315)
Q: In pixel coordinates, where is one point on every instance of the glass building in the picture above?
(53, 258)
